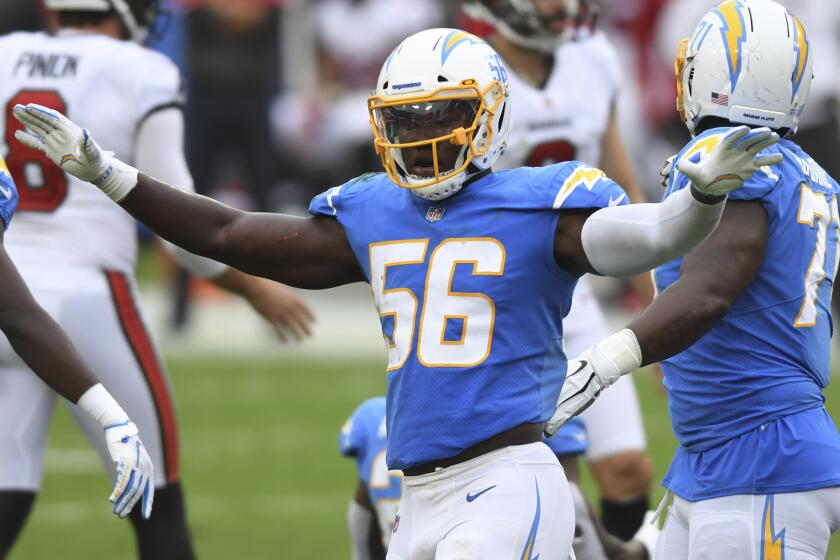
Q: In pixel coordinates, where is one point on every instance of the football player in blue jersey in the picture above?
(547, 45)
(757, 471)
(47, 350)
(372, 513)
(472, 272)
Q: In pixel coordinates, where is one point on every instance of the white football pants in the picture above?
(794, 526)
(511, 503)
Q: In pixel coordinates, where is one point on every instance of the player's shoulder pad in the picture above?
(574, 184)
(8, 195)
(333, 201)
(756, 187)
(362, 426)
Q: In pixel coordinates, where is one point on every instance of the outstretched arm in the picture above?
(627, 240)
(302, 252)
(712, 277)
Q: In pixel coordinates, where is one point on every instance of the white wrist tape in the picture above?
(616, 355)
(117, 179)
(99, 403)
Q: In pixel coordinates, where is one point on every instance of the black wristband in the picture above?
(704, 198)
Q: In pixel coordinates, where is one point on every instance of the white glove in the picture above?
(135, 472)
(598, 367)
(73, 149)
(730, 163)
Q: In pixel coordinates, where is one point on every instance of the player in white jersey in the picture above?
(131, 96)
(566, 79)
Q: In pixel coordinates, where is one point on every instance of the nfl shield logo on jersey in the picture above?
(434, 213)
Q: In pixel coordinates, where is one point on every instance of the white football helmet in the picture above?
(137, 15)
(440, 111)
(748, 62)
(520, 21)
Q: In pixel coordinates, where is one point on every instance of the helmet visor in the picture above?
(431, 134)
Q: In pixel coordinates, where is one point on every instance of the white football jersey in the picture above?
(106, 85)
(566, 119)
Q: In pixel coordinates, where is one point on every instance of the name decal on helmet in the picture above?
(408, 85)
(453, 39)
(802, 48)
(734, 33)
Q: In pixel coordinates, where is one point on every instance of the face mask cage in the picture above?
(427, 139)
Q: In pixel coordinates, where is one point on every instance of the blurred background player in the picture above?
(93, 68)
(565, 83)
(373, 509)
(43, 346)
(757, 471)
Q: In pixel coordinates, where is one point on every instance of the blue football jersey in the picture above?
(570, 439)
(760, 371)
(470, 299)
(8, 195)
(365, 438)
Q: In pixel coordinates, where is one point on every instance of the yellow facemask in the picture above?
(389, 149)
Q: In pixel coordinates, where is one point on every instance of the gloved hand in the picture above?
(732, 161)
(580, 389)
(598, 367)
(135, 472)
(72, 148)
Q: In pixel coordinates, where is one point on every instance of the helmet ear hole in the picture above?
(442, 79)
(502, 116)
(691, 81)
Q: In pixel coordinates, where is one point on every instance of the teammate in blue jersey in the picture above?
(373, 510)
(757, 471)
(472, 272)
(47, 350)
(372, 513)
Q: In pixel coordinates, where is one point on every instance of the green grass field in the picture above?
(259, 463)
